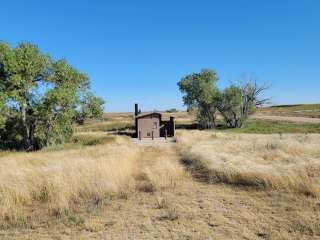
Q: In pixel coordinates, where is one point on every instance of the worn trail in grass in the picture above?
(123, 191)
(187, 210)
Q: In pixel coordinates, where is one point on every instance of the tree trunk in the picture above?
(32, 130)
(24, 126)
(206, 117)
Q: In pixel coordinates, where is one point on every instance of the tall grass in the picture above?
(289, 162)
(57, 183)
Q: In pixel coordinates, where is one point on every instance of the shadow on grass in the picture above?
(128, 130)
(285, 106)
(194, 126)
(189, 126)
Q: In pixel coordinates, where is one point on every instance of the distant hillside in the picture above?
(297, 110)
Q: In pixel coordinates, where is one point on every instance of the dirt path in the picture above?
(288, 119)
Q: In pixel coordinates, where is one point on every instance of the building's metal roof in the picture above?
(147, 114)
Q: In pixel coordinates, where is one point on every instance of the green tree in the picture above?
(40, 95)
(90, 107)
(200, 91)
(3, 110)
(4, 49)
(236, 103)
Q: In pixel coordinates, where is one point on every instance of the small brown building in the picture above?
(151, 125)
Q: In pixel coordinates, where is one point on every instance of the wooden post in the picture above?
(152, 135)
(165, 134)
(140, 135)
(172, 125)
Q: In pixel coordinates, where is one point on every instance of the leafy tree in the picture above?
(90, 107)
(236, 103)
(200, 92)
(39, 95)
(3, 93)
(3, 110)
(172, 110)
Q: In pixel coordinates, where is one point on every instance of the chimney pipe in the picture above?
(136, 111)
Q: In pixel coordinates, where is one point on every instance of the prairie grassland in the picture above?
(299, 110)
(281, 162)
(259, 123)
(57, 183)
(104, 186)
(107, 125)
(276, 127)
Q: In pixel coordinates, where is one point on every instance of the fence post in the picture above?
(152, 135)
(165, 134)
(172, 126)
(140, 135)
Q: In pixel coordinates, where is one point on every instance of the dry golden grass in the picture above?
(263, 187)
(60, 181)
(107, 125)
(300, 110)
(283, 162)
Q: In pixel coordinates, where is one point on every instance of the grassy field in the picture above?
(124, 122)
(272, 127)
(288, 162)
(299, 110)
(258, 182)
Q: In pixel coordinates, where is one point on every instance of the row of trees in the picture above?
(235, 103)
(40, 98)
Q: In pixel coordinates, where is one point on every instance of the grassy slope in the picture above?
(299, 110)
(270, 127)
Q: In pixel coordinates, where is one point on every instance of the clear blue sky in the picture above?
(136, 51)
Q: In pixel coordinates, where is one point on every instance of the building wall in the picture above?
(149, 125)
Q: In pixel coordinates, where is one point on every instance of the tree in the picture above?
(90, 107)
(3, 110)
(236, 103)
(40, 96)
(200, 92)
(3, 93)
(172, 110)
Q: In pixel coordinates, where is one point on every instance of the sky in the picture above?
(137, 51)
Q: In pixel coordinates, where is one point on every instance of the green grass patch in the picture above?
(81, 140)
(270, 127)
